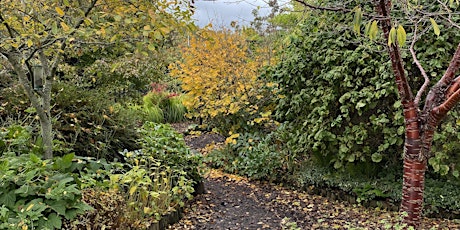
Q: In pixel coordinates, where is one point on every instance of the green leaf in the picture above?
(435, 27)
(444, 169)
(357, 21)
(373, 30)
(455, 173)
(54, 222)
(8, 199)
(401, 35)
(360, 104)
(58, 206)
(392, 36)
(376, 157)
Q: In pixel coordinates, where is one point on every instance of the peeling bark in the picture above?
(420, 125)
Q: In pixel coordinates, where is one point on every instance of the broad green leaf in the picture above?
(401, 35)
(58, 206)
(360, 104)
(444, 169)
(53, 222)
(435, 27)
(8, 199)
(456, 173)
(59, 11)
(392, 36)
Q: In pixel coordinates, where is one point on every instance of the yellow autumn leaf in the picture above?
(64, 26)
(147, 210)
(59, 11)
(132, 190)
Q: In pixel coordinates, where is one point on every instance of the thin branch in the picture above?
(10, 30)
(334, 9)
(420, 67)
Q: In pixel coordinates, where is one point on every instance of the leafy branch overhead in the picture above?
(37, 33)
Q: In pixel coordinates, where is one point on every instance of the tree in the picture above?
(35, 34)
(421, 119)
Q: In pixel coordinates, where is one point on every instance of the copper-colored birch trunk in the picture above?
(420, 124)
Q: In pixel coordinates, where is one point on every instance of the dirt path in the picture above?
(233, 202)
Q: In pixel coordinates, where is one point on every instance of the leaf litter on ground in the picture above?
(235, 202)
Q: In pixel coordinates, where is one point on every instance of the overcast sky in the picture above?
(222, 12)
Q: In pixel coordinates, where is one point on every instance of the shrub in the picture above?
(220, 78)
(254, 156)
(37, 193)
(92, 124)
(164, 144)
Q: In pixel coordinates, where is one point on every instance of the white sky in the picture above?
(221, 12)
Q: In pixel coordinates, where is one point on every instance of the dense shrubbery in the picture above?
(38, 193)
(337, 95)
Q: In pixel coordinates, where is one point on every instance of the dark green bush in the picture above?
(92, 124)
(338, 97)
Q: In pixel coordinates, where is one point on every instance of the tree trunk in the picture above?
(420, 125)
(41, 103)
(47, 135)
(414, 161)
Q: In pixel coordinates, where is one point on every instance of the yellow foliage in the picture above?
(219, 74)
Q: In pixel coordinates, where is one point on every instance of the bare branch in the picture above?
(420, 67)
(334, 9)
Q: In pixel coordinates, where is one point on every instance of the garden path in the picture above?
(233, 202)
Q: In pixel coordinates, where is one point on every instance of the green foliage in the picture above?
(92, 124)
(161, 142)
(368, 192)
(254, 156)
(37, 193)
(151, 188)
(337, 95)
(17, 139)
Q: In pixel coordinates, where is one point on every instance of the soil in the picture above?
(233, 202)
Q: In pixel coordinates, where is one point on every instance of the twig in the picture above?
(420, 67)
